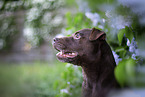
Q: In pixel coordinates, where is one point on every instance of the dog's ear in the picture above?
(97, 34)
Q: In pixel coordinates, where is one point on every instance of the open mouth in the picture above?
(62, 54)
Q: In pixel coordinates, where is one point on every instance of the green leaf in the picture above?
(130, 71)
(128, 33)
(120, 35)
(119, 49)
(120, 73)
(125, 72)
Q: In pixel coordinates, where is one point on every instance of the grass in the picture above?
(30, 80)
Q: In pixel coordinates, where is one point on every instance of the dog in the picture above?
(88, 48)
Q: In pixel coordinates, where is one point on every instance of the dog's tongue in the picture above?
(66, 55)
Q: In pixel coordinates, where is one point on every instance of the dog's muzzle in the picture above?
(62, 52)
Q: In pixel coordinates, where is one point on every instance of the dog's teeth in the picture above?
(66, 54)
(73, 54)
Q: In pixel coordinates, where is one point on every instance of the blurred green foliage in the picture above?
(123, 28)
(95, 5)
(40, 80)
(71, 82)
(123, 23)
(41, 19)
(122, 39)
(30, 80)
(128, 33)
(125, 72)
(77, 21)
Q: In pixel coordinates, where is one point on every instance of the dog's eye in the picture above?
(77, 36)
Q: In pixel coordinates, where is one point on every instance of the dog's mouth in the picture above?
(63, 54)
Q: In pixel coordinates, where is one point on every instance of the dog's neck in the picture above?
(96, 72)
(97, 80)
(101, 69)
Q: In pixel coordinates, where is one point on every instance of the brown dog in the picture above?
(87, 48)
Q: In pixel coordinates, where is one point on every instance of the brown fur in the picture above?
(95, 57)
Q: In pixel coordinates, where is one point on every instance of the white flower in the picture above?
(64, 91)
(108, 13)
(100, 26)
(117, 59)
(132, 45)
(136, 6)
(103, 20)
(119, 22)
(133, 48)
(68, 82)
(94, 17)
(83, 6)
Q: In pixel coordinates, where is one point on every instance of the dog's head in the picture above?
(84, 45)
